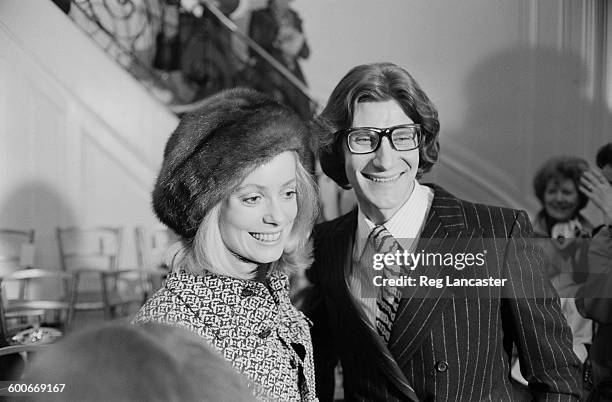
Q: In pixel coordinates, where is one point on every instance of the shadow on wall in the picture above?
(39, 206)
(523, 106)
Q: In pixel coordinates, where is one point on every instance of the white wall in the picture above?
(515, 81)
(80, 140)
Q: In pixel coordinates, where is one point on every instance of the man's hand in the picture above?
(595, 186)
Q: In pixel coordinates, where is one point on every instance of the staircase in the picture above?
(81, 140)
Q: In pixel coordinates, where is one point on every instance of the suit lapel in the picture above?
(362, 334)
(421, 306)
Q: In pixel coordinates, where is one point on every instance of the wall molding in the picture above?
(498, 184)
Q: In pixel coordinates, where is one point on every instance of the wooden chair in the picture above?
(16, 250)
(50, 305)
(30, 348)
(93, 255)
(151, 245)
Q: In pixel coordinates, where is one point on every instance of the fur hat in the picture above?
(215, 147)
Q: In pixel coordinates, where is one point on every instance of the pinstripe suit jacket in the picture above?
(445, 344)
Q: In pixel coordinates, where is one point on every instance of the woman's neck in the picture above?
(260, 271)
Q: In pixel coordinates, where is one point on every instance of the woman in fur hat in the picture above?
(233, 187)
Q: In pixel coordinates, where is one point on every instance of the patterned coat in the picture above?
(254, 327)
(446, 343)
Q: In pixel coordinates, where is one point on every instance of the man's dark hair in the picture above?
(377, 82)
(604, 156)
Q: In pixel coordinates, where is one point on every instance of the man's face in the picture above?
(383, 180)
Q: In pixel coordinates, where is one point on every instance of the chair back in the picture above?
(89, 251)
(93, 255)
(96, 248)
(16, 250)
(151, 245)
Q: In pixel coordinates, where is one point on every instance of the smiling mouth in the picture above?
(382, 179)
(561, 206)
(266, 237)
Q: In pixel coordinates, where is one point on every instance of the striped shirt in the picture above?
(405, 226)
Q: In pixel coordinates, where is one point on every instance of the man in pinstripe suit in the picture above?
(423, 342)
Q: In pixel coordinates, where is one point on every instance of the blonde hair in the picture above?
(207, 250)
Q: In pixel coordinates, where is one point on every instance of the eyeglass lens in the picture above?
(366, 140)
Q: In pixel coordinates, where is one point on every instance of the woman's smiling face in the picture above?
(561, 199)
(257, 218)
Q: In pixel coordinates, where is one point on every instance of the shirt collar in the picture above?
(407, 221)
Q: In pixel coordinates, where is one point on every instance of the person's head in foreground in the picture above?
(120, 362)
(234, 188)
(379, 133)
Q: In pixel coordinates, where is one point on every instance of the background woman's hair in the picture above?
(207, 251)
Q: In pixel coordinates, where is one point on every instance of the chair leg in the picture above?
(108, 309)
(71, 286)
(3, 326)
(108, 313)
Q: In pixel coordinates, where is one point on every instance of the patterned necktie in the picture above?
(388, 298)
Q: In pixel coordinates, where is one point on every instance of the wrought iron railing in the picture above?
(126, 30)
(180, 55)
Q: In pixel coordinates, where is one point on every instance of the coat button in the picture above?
(441, 366)
(246, 292)
(265, 333)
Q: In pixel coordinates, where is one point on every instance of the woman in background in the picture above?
(233, 187)
(278, 29)
(557, 186)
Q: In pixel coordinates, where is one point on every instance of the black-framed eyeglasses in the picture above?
(364, 140)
